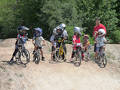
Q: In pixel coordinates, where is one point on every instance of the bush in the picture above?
(116, 36)
(70, 33)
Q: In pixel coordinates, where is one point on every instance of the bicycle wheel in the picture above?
(25, 56)
(78, 59)
(103, 61)
(56, 56)
(87, 56)
(37, 59)
(18, 58)
(63, 57)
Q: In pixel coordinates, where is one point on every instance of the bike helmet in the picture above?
(39, 30)
(77, 30)
(63, 26)
(101, 32)
(59, 30)
(22, 30)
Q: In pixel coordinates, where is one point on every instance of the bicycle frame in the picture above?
(61, 50)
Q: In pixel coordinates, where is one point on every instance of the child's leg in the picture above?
(41, 53)
(72, 56)
(52, 53)
(83, 55)
(35, 48)
(14, 54)
(97, 51)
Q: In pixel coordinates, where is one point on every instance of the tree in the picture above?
(7, 19)
(90, 9)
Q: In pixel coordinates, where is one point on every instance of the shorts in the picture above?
(38, 47)
(98, 49)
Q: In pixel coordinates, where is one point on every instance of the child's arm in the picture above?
(43, 40)
(33, 40)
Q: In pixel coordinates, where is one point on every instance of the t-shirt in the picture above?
(53, 37)
(75, 39)
(100, 41)
(22, 39)
(76, 42)
(96, 28)
(38, 40)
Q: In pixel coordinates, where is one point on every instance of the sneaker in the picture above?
(11, 62)
(33, 52)
(71, 60)
(43, 58)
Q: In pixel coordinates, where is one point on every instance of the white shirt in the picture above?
(38, 40)
(100, 41)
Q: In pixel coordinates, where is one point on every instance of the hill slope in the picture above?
(59, 76)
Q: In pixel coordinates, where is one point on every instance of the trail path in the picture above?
(59, 76)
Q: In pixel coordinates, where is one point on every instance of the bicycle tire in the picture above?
(18, 58)
(37, 59)
(25, 57)
(87, 57)
(103, 62)
(78, 59)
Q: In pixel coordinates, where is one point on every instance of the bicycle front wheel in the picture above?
(78, 59)
(25, 56)
(103, 62)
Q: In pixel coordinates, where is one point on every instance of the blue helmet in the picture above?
(22, 30)
(39, 30)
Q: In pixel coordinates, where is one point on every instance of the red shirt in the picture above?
(75, 41)
(96, 28)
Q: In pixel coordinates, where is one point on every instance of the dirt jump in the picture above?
(58, 76)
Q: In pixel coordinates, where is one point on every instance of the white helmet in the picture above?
(77, 30)
(101, 31)
(62, 25)
(55, 30)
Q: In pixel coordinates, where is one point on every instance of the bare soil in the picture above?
(58, 76)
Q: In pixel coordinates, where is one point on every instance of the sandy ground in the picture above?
(59, 76)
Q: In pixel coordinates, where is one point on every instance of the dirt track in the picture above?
(59, 76)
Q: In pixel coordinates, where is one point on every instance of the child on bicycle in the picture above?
(100, 41)
(58, 32)
(21, 40)
(37, 39)
(76, 41)
(86, 45)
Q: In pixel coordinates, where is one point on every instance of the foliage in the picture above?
(116, 36)
(48, 14)
(7, 18)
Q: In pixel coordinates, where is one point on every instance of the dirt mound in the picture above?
(113, 51)
(58, 76)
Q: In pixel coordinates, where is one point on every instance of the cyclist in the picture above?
(58, 32)
(76, 41)
(21, 40)
(86, 45)
(100, 41)
(37, 39)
